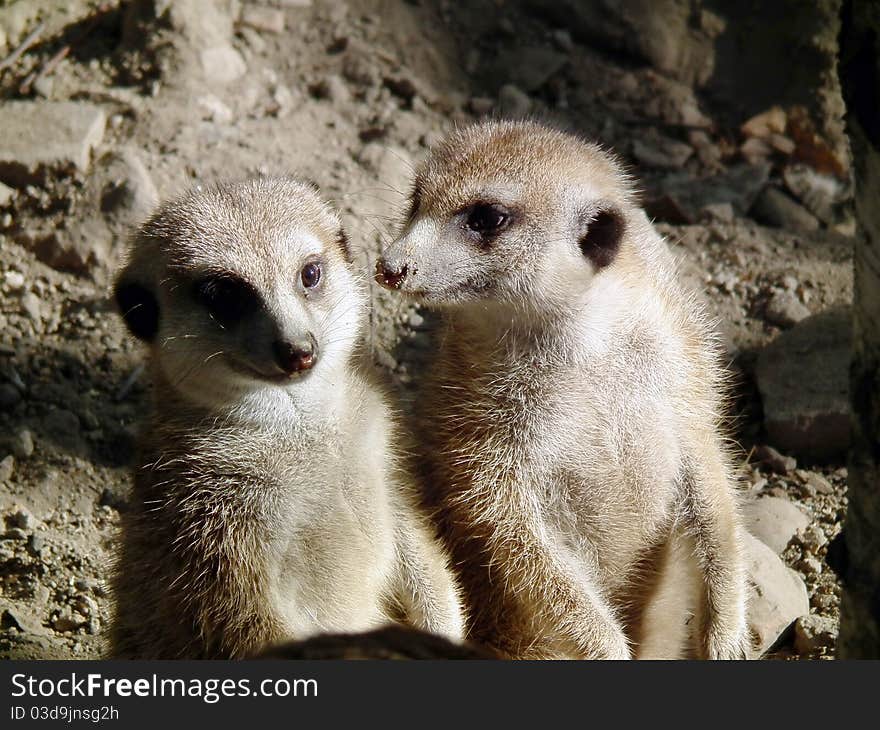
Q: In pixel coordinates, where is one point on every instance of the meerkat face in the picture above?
(508, 211)
(243, 287)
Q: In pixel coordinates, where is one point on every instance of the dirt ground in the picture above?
(349, 95)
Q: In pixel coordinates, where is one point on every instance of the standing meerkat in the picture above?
(571, 446)
(268, 504)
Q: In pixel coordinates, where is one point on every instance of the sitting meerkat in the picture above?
(268, 502)
(571, 446)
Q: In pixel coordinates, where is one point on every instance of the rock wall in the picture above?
(860, 75)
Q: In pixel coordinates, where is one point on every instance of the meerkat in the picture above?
(571, 445)
(268, 501)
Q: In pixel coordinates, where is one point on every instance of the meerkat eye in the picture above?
(310, 275)
(227, 297)
(486, 218)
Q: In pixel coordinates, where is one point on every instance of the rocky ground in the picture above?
(108, 108)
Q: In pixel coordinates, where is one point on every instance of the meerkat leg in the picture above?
(423, 584)
(716, 530)
(568, 602)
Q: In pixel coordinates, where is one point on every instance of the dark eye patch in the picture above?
(227, 297)
(486, 219)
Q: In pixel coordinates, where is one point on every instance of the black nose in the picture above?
(295, 356)
(388, 276)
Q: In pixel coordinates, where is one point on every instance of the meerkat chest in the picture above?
(337, 552)
(590, 447)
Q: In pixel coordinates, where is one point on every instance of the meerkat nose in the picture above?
(388, 276)
(295, 356)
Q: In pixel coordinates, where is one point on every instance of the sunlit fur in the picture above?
(570, 428)
(264, 508)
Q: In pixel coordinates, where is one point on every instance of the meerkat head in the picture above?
(242, 288)
(509, 211)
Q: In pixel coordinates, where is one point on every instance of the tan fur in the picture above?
(264, 509)
(570, 438)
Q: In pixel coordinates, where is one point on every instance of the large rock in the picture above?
(774, 208)
(803, 377)
(777, 598)
(774, 521)
(42, 136)
(672, 35)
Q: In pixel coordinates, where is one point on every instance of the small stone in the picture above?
(416, 320)
(31, 306)
(129, 192)
(68, 621)
(661, 151)
(83, 248)
(332, 88)
(755, 151)
(7, 466)
(784, 309)
(14, 281)
(818, 192)
(222, 64)
(818, 483)
(771, 459)
(763, 125)
(23, 444)
(813, 633)
(36, 543)
(774, 208)
(14, 533)
(283, 100)
(721, 212)
(513, 102)
(214, 109)
(781, 143)
(562, 39)
(480, 105)
(6, 194)
(774, 521)
(810, 566)
(262, 18)
(20, 518)
(813, 539)
(789, 283)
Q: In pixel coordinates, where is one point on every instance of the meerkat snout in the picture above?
(390, 275)
(295, 356)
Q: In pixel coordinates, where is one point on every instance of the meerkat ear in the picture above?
(600, 232)
(344, 245)
(138, 307)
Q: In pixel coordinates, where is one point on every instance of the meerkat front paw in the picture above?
(721, 643)
(609, 643)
